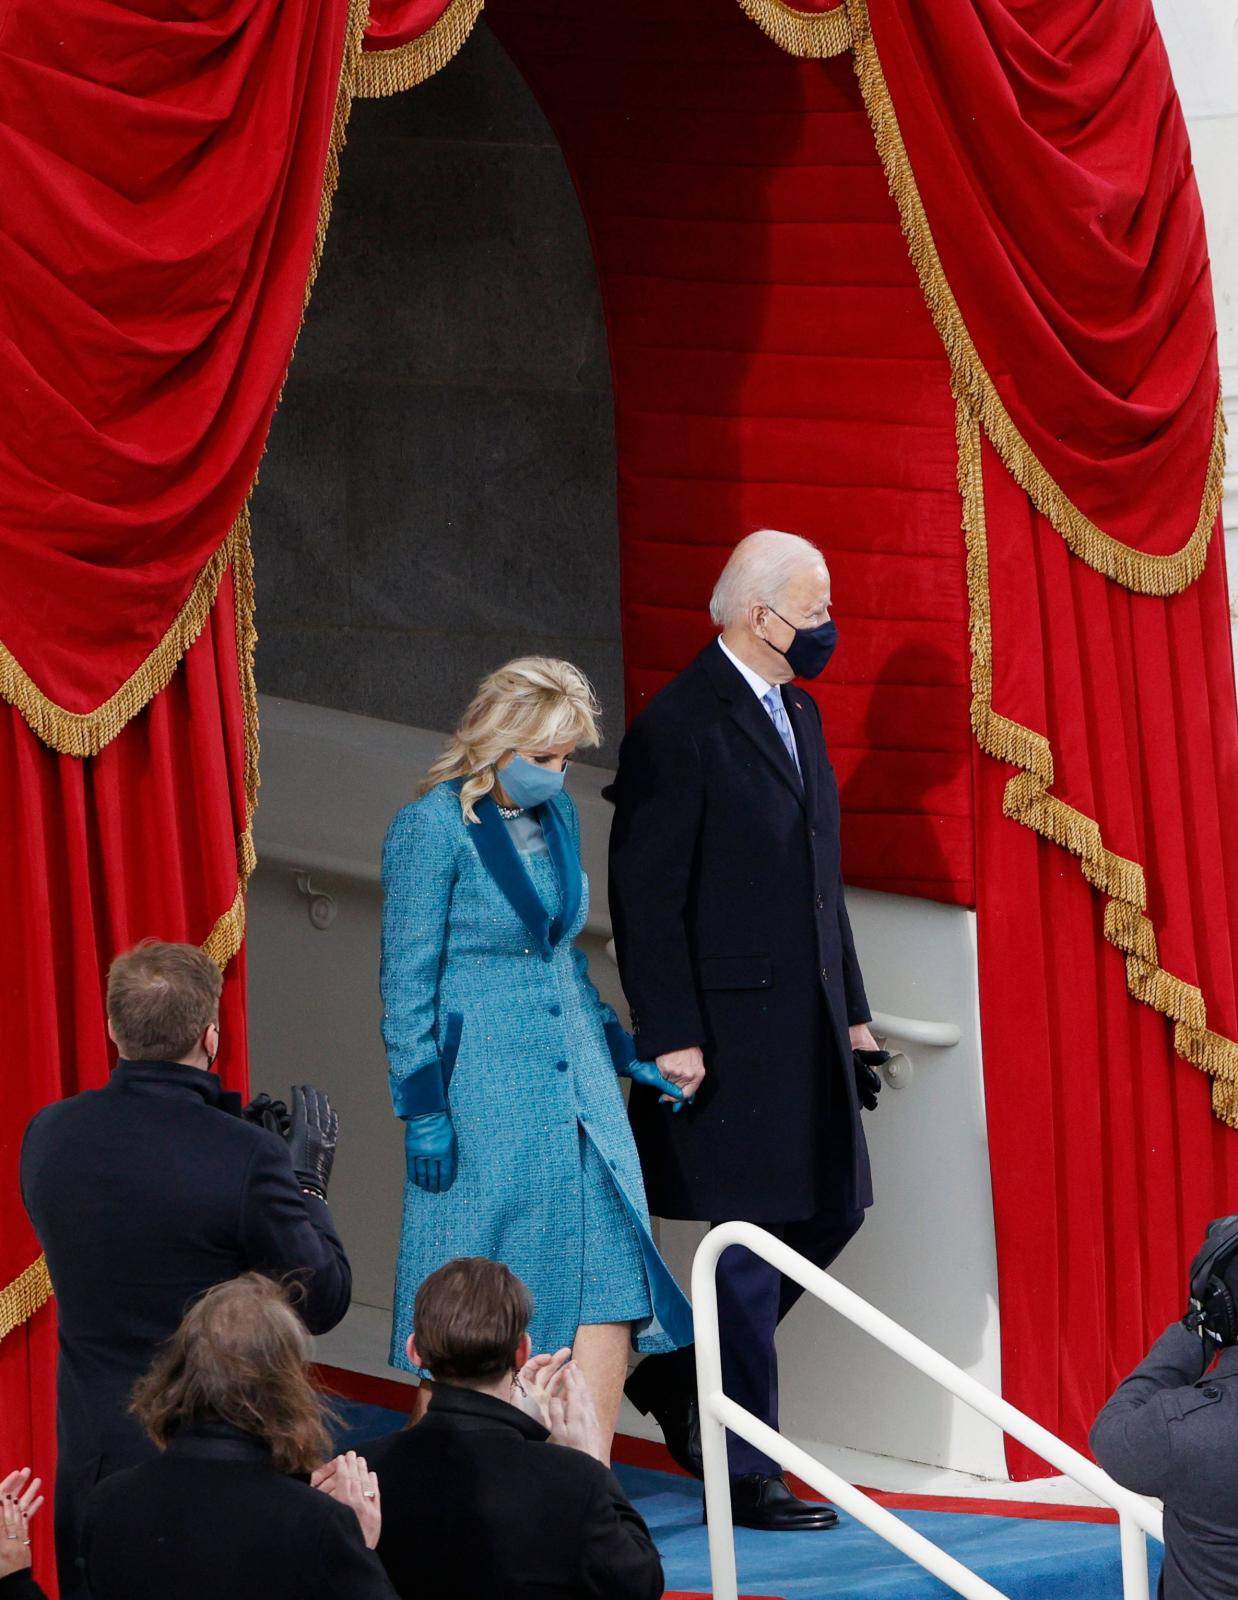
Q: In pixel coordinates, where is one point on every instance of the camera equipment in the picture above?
(1213, 1312)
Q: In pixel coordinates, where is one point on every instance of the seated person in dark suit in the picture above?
(485, 1499)
(224, 1512)
(148, 1191)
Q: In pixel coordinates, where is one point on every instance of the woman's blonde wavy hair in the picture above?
(532, 703)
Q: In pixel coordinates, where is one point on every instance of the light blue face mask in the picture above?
(526, 784)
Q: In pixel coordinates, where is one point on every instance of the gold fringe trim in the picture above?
(85, 733)
(807, 34)
(384, 72)
(73, 733)
(20, 1299)
(1133, 569)
(31, 1289)
(1027, 800)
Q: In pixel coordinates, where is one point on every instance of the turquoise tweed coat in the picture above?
(481, 981)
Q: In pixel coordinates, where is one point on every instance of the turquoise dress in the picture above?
(481, 981)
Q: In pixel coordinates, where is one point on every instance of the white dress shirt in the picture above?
(754, 680)
(761, 688)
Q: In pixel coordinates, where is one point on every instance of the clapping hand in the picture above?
(536, 1381)
(573, 1416)
(19, 1501)
(349, 1480)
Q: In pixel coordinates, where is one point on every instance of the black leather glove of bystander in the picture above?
(311, 1138)
(273, 1115)
(867, 1078)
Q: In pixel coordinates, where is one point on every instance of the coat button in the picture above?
(812, 833)
(615, 1165)
(560, 1066)
(555, 1010)
(584, 1116)
(1211, 1392)
(825, 974)
(820, 902)
(547, 956)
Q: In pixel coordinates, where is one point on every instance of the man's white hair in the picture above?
(758, 572)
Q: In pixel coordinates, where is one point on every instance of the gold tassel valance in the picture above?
(1134, 569)
(384, 72)
(807, 34)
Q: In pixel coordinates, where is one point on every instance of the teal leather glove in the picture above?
(646, 1072)
(430, 1151)
(420, 1101)
(623, 1054)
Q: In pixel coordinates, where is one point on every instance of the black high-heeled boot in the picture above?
(664, 1387)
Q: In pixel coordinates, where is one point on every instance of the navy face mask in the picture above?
(809, 652)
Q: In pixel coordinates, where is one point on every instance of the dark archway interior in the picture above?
(438, 491)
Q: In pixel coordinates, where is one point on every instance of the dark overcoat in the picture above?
(731, 930)
(143, 1194)
(478, 1505)
(211, 1519)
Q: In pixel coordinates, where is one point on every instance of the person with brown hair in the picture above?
(225, 1510)
(148, 1191)
(500, 1492)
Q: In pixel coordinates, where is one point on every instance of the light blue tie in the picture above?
(772, 701)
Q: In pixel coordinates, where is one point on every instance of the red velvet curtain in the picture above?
(1052, 162)
(1107, 1158)
(162, 190)
(773, 365)
(140, 840)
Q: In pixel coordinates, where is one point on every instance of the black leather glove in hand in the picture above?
(867, 1078)
(311, 1138)
(273, 1115)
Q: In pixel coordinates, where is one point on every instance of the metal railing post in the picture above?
(1137, 1517)
(713, 1430)
(1134, 1558)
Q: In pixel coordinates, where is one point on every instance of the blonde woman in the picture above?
(504, 1062)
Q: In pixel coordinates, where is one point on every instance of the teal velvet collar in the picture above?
(502, 861)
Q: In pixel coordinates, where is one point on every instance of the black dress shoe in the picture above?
(758, 1501)
(665, 1389)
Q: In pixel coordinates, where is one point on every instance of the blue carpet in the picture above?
(1024, 1558)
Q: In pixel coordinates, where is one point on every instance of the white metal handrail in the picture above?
(1137, 1517)
(915, 1030)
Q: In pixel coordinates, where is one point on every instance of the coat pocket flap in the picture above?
(736, 972)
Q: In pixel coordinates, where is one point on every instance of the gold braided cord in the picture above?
(20, 1299)
(1027, 800)
(1133, 569)
(73, 733)
(808, 34)
(384, 72)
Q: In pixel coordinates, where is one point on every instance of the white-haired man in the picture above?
(738, 962)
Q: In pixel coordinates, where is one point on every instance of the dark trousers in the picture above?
(753, 1298)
